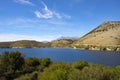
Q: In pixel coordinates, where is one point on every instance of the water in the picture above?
(109, 58)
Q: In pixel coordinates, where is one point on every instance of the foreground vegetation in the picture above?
(13, 66)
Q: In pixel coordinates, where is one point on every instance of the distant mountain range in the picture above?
(104, 37)
(35, 44)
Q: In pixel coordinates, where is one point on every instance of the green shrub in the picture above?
(32, 76)
(45, 62)
(75, 74)
(57, 71)
(98, 72)
(80, 64)
(32, 62)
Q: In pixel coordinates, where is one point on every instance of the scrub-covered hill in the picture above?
(105, 36)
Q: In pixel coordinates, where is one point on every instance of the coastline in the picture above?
(83, 48)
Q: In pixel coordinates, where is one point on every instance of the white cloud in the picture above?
(24, 2)
(27, 22)
(49, 13)
(14, 37)
(46, 13)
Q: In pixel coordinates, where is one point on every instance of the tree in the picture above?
(11, 61)
(16, 60)
(4, 62)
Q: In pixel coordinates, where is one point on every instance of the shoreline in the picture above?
(93, 49)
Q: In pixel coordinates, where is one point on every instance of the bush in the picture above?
(57, 71)
(32, 62)
(98, 72)
(32, 76)
(11, 64)
(80, 64)
(45, 62)
(75, 74)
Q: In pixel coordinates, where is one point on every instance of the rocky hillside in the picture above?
(105, 36)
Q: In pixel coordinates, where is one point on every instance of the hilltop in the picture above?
(104, 37)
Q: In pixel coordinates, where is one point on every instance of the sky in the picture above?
(46, 20)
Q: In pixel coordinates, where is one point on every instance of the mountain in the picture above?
(104, 37)
(35, 44)
(5, 44)
(62, 43)
(27, 44)
(23, 44)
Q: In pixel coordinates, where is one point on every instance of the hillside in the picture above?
(27, 44)
(62, 43)
(5, 44)
(105, 36)
(23, 44)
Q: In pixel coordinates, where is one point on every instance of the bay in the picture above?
(109, 58)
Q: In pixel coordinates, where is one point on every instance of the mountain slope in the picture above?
(34, 44)
(23, 44)
(27, 44)
(62, 43)
(105, 35)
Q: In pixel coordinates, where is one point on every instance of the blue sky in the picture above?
(46, 20)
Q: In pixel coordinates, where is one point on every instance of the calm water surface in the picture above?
(109, 58)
